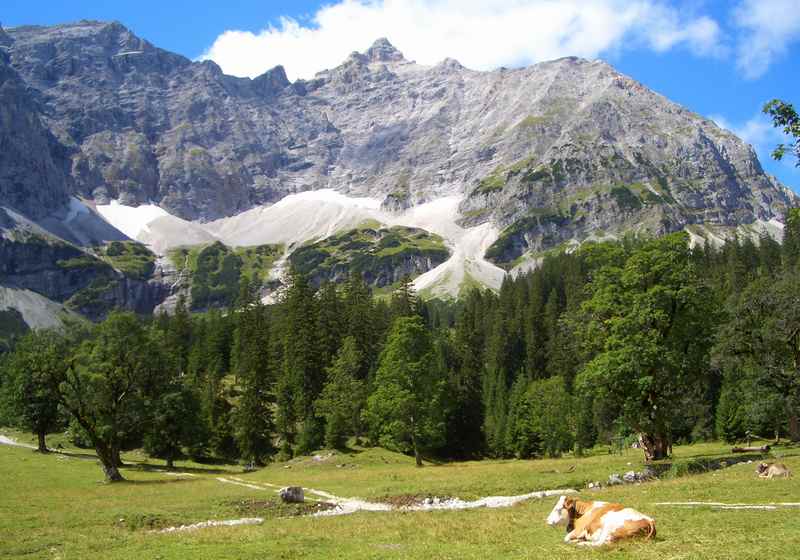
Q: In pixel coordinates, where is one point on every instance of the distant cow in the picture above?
(766, 470)
(599, 523)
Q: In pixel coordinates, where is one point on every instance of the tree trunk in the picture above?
(42, 445)
(170, 462)
(759, 449)
(117, 458)
(106, 456)
(794, 427)
(655, 446)
(417, 455)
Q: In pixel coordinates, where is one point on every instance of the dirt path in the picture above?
(4, 440)
(346, 506)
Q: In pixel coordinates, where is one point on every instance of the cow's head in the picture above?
(562, 512)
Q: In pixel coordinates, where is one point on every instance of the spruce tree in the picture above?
(405, 411)
(344, 396)
(302, 375)
(252, 417)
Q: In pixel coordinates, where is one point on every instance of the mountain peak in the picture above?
(383, 51)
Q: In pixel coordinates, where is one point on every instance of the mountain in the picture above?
(502, 165)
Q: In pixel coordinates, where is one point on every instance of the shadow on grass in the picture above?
(152, 482)
(147, 467)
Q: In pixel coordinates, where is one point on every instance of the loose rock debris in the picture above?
(212, 523)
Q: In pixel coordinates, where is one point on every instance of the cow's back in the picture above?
(627, 522)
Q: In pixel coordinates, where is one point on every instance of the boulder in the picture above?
(615, 479)
(630, 476)
(292, 494)
(648, 473)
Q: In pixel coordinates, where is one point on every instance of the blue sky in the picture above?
(722, 59)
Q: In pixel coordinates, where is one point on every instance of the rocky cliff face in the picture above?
(64, 273)
(151, 125)
(34, 167)
(555, 153)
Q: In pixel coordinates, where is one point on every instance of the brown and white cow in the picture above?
(766, 470)
(599, 523)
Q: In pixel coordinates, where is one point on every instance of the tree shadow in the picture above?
(151, 482)
(147, 467)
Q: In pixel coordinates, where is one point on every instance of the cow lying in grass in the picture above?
(766, 470)
(599, 523)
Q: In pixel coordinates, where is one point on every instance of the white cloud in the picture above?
(481, 34)
(769, 26)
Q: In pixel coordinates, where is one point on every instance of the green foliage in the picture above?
(343, 396)
(302, 376)
(84, 263)
(90, 300)
(490, 184)
(536, 419)
(625, 198)
(759, 350)
(12, 326)
(730, 424)
(216, 270)
(404, 412)
(649, 324)
(29, 397)
(371, 253)
(255, 371)
(129, 257)
(107, 386)
(784, 116)
(501, 251)
(173, 424)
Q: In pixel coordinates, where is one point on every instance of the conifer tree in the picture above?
(302, 375)
(404, 300)
(465, 421)
(404, 411)
(253, 424)
(343, 397)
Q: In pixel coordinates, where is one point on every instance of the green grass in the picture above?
(55, 506)
(372, 252)
(216, 269)
(129, 257)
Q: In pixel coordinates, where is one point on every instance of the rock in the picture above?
(34, 167)
(630, 476)
(648, 473)
(292, 494)
(615, 479)
(145, 124)
(91, 110)
(591, 485)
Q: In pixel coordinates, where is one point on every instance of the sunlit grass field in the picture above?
(56, 506)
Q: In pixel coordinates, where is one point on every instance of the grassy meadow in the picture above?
(56, 506)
